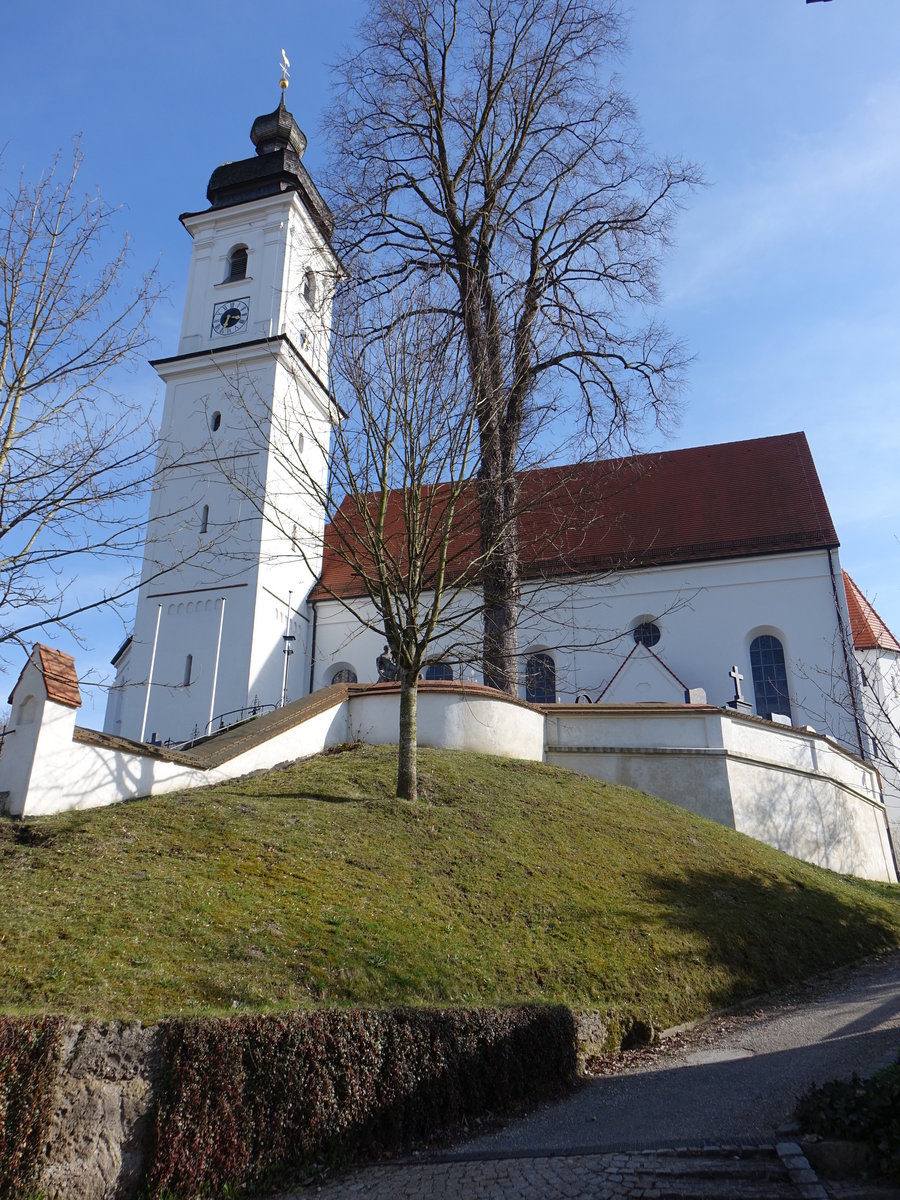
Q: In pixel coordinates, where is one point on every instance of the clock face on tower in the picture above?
(230, 316)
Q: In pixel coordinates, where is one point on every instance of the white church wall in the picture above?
(708, 614)
(675, 753)
(880, 698)
(290, 546)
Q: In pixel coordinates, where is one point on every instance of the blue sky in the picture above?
(784, 279)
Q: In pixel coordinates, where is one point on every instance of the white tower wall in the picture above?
(236, 516)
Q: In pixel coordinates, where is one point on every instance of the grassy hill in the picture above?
(505, 882)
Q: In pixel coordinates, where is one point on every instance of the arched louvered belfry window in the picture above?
(309, 288)
(540, 678)
(237, 264)
(770, 684)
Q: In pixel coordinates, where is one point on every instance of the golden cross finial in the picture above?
(285, 63)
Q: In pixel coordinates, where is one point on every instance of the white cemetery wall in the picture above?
(791, 789)
(454, 719)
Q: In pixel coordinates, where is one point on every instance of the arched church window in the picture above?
(344, 675)
(646, 633)
(188, 669)
(770, 685)
(309, 288)
(215, 421)
(204, 519)
(237, 264)
(540, 679)
(442, 672)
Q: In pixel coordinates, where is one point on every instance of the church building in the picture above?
(704, 575)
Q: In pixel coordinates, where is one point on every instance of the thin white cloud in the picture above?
(841, 184)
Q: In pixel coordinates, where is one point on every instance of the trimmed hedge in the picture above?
(250, 1099)
(28, 1068)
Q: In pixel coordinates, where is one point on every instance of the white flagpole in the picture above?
(212, 699)
(150, 676)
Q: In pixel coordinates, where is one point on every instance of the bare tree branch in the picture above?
(74, 451)
(482, 145)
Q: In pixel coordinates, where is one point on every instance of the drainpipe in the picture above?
(851, 677)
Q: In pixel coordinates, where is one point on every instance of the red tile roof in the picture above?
(60, 678)
(710, 502)
(867, 628)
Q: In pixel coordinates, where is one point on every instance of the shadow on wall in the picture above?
(723, 913)
(810, 819)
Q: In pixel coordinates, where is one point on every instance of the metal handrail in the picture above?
(217, 724)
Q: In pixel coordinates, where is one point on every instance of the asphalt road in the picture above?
(729, 1080)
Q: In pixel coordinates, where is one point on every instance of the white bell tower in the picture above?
(235, 529)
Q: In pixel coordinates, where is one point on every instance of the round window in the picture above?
(646, 634)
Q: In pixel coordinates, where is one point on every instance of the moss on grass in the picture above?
(505, 882)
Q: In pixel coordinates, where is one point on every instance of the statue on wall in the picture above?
(387, 668)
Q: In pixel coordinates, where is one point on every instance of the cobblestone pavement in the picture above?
(771, 1172)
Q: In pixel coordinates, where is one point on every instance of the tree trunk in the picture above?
(500, 549)
(407, 778)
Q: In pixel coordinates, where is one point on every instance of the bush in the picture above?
(250, 1099)
(28, 1065)
(860, 1110)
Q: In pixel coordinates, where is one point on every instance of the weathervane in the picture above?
(284, 64)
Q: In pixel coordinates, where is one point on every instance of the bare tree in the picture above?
(398, 494)
(481, 145)
(72, 448)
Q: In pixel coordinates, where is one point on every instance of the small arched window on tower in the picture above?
(309, 288)
(204, 519)
(188, 669)
(215, 421)
(237, 264)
